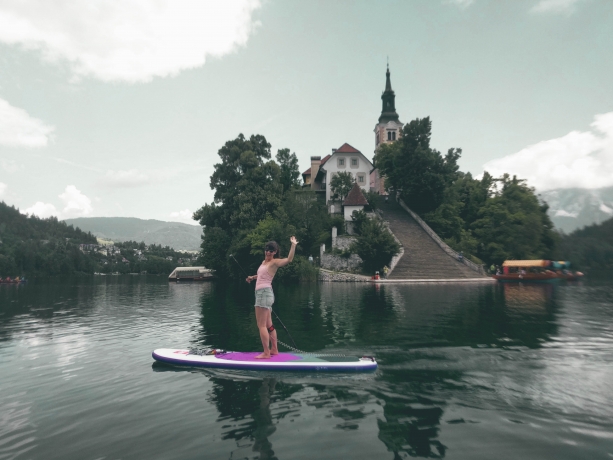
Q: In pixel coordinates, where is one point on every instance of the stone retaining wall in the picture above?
(328, 276)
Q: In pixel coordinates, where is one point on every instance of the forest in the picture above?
(31, 247)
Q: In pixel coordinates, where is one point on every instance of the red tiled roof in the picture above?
(355, 197)
(346, 148)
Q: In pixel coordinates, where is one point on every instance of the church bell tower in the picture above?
(389, 127)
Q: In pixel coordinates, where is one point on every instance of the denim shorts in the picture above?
(264, 298)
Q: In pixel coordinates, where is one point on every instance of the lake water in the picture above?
(465, 372)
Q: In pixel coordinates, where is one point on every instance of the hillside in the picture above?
(29, 245)
(574, 208)
(590, 247)
(181, 237)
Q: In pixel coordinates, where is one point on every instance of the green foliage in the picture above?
(299, 270)
(375, 245)
(514, 225)
(420, 173)
(290, 174)
(373, 199)
(257, 201)
(246, 186)
(359, 218)
(590, 247)
(41, 247)
(341, 184)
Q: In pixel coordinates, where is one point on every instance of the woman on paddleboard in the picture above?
(264, 297)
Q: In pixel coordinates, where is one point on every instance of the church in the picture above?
(348, 158)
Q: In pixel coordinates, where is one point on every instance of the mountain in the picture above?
(181, 237)
(574, 208)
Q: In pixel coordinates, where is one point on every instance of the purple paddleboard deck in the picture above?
(280, 362)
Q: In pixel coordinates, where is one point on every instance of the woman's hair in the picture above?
(274, 246)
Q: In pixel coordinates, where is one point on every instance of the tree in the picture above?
(341, 184)
(513, 224)
(247, 188)
(375, 245)
(288, 162)
(246, 185)
(420, 173)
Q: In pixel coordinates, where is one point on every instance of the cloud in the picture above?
(18, 129)
(42, 210)
(10, 166)
(76, 204)
(136, 178)
(579, 159)
(184, 216)
(555, 6)
(128, 40)
(3, 188)
(461, 3)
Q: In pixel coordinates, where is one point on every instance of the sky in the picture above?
(119, 108)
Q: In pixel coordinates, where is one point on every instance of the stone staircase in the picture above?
(423, 258)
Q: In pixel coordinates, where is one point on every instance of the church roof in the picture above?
(346, 148)
(355, 197)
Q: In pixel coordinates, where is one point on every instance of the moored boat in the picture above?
(191, 274)
(536, 271)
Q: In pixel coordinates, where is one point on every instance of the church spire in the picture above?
(388, 112)
(388, 83)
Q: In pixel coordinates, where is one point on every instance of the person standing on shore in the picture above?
(265, 297)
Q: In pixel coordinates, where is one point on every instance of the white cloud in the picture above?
(76, 204)
(18, 129)
(136, 178)
(42, 210)
(128, 40)
(3, 188)
(461, 3)
(555, 6)
(10, 166)
(563, 213)
(184, 216)
(579, 159)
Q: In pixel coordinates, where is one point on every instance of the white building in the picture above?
(346, 159)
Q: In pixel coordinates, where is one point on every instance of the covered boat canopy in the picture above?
(190, 272)
(560, 264)
(526, 263)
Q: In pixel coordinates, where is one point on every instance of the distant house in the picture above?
(345, 158)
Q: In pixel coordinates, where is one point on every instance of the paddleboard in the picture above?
(281, 362)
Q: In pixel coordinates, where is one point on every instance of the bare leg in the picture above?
(273, 335)
(261, 316)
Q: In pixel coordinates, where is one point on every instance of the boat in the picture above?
(535, 271)
(220, 359)
(12, 281)
(562, 269)
(191, 274)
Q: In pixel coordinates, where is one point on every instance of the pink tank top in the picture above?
(264, 279)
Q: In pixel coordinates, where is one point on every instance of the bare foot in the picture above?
(263, 356)
(274, 351)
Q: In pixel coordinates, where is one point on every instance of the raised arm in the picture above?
(290, 256)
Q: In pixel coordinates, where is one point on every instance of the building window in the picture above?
(341, 162)
(361, 179)
(354, 162)
(391, 135)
